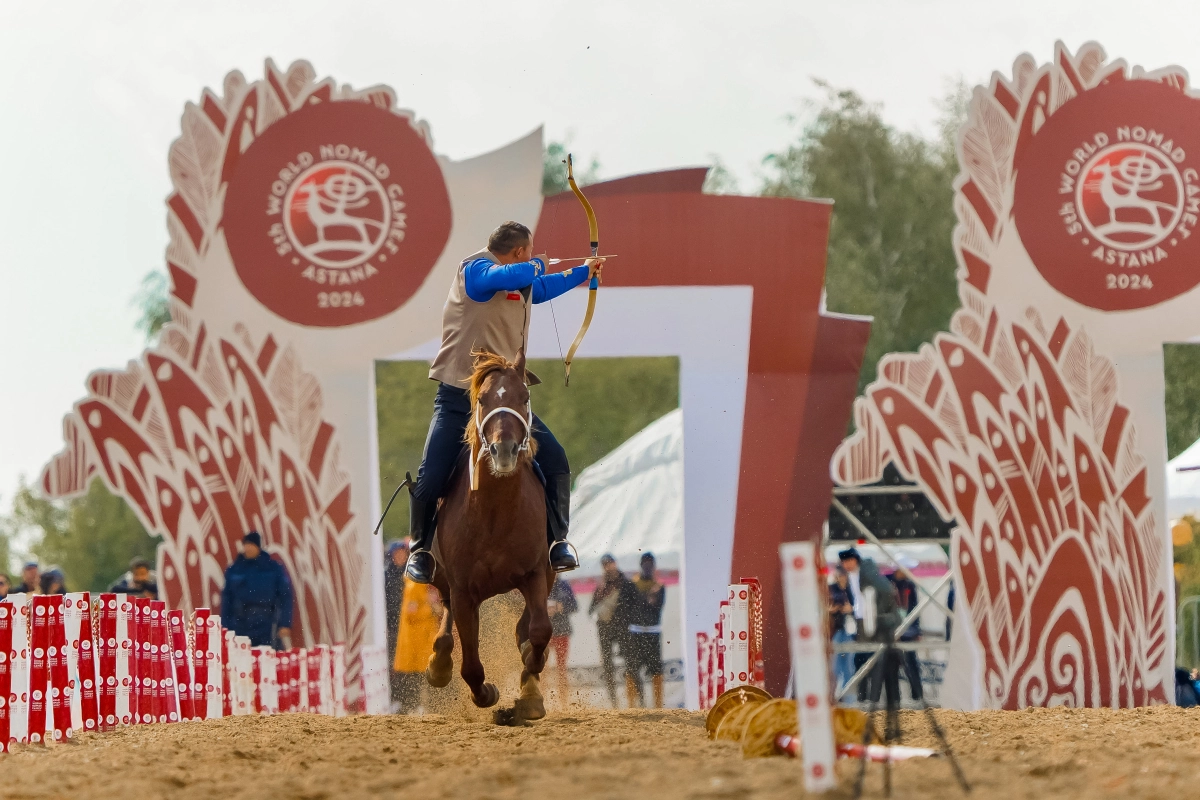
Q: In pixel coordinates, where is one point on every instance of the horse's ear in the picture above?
(519, 364)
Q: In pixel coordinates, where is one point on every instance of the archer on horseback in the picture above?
(488, 308)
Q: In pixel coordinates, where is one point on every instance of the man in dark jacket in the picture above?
(31, 578)
(906, 590)
(888, 616)
(139, 581)
(645, 635)
(257, 598)
(610, 603)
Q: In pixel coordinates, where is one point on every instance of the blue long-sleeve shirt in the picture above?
(484, 278)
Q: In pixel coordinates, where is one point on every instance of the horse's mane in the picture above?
(486, 362)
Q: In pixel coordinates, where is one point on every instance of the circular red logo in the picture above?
(1107, 196)
(336, 213)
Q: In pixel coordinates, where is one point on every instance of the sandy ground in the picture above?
(583, 753)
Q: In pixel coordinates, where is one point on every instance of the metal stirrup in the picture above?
(573, 551)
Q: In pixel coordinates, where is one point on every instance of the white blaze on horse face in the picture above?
(500, 392)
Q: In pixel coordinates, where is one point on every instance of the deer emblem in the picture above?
(328, 203)
(1122, 189)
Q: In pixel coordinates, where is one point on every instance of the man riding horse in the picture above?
(488, 308)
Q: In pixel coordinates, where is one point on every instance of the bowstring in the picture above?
(553, 316)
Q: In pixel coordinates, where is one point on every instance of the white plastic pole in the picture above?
(806, 618)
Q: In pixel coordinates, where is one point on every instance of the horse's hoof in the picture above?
(488, 696)
(533, 708)
(438, 680)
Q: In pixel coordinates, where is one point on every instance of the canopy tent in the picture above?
(631, 501)
(1183, 483)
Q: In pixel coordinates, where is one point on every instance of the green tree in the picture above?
(719, 179)
(153, 304)
(554, 169)
(92, 538)
(8, 531)
(1181, 368)
(890, 248)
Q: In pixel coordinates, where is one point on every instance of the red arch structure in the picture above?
(803, 365)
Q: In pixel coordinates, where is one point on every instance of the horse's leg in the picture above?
(441, 661)
(523, 629)
(533, 649)
(466, 617)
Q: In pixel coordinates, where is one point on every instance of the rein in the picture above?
(480, 423)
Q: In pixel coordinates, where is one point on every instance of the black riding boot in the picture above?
(420, 530)
(558, 514)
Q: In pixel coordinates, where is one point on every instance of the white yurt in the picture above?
(1183, 483)
(631, 501)
(628, 503)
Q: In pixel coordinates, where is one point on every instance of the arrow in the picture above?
(582, 258)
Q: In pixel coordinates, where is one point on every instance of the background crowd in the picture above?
(895, 597)
(139, 580)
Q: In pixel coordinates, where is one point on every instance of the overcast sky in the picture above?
(92, 93)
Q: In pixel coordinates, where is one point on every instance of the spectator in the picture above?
(393, 594)
(645, 635)
(888, 615)
(906, 590)
(950, 608)
(851, 561)
(257, 598)
(611, 628)
(420, 618)
(52, 581)
(841, 623)
(4, 588)
(561, 604)
(1185, 690)
(138, 582)
(30, 578)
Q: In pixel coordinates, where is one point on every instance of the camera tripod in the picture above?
(888, 670)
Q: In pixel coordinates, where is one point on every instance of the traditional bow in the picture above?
(594, 232)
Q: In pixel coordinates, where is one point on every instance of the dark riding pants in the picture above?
(451, 413)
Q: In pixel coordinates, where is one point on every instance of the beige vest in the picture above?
(500, 325)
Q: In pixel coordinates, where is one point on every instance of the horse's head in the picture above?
(501, 418)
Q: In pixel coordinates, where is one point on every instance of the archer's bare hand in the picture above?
(594, 266)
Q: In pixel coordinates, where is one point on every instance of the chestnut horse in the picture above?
(491, 534)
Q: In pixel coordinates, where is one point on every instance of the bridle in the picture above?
(483, 442)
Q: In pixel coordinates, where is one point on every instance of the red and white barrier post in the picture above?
(7, 613)
(208, 667)
(737, 636)
(81, 661)
(337, 655)
(181, 664)
(19, 655)
(804, 601)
